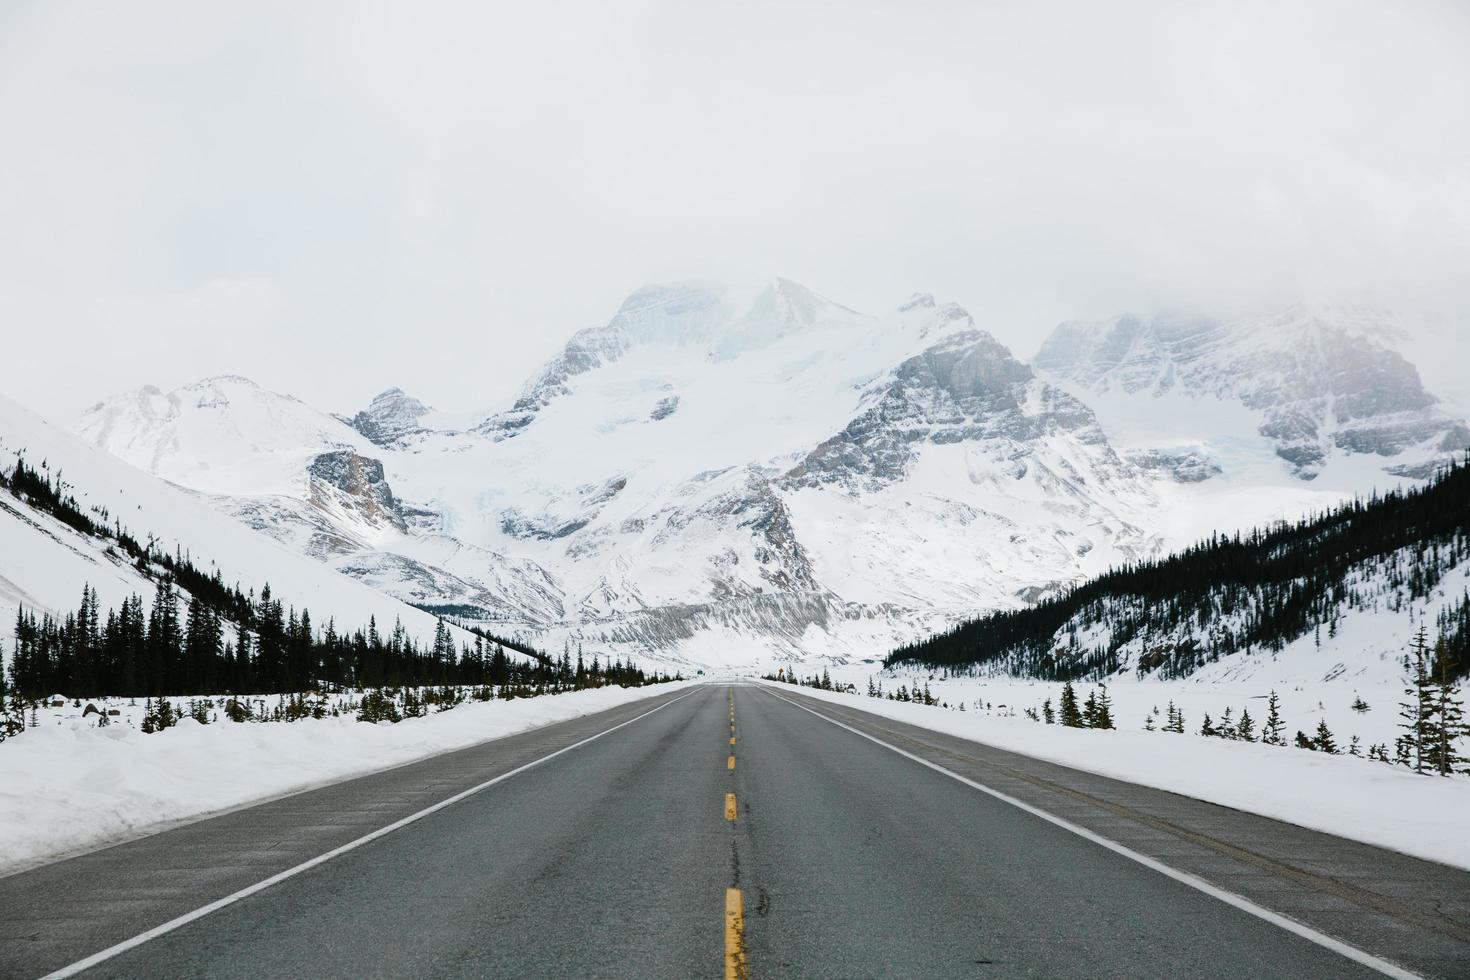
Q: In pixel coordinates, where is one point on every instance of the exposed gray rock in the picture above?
(588, 349)
(1182, 465)
(757, 508)
(1321, 381)
(966, 388)
(356, 483)
(390, 418)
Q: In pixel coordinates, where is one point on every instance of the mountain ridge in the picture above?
(613, 495)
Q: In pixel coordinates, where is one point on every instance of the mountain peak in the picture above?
(391, 415)
(1323, 380)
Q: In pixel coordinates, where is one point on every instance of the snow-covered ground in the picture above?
(1367, 801)
(69, 786)
(44, 563)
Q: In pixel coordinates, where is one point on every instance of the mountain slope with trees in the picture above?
(202, 636)
(1251, 593)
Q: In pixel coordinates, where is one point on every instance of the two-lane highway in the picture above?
(734, 830)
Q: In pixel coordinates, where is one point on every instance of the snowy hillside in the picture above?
(724, 473)
(1333, 597)
(44, 563)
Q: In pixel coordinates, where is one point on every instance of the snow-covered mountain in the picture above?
(44, 563)
(722, 473)
(1319, 384)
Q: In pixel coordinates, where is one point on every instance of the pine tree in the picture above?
(1148, 722)
(1245, 730)
(1271, 731)
(1226, 728)
(1206, 728)
(1104, 718)
(1071, 714)
(1448, 723)
(1323, 742)
(1047, 714)
(1089, 710)
(1417, 708)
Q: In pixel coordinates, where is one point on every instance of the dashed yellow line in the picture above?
(735, 966)
(729, 806)
(730, 762)
(732, 739)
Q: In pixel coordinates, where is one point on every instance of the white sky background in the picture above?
(334, 197)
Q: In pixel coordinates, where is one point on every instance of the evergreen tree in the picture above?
(1206, 728)
(1323, 742)
(1417, 708)
(1047, 714)
(1104, 710)
(1071, 714)
(1274, 726)
(1448, 722)
(1245, 730)
(1226, 728)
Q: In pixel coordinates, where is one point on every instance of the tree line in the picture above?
(1246, 592)
(200, 636)
(182, 645)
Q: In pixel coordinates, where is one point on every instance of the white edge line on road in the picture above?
(1184, 877)
(275, 879)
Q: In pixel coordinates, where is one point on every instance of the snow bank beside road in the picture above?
(67, 787)
(1366, 801)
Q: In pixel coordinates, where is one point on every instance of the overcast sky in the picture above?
(334, 197)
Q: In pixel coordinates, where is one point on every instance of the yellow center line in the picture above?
(735, 967)
(729, 806)
(730, 762)
(732, 739)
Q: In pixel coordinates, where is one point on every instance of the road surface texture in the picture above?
(736, 831)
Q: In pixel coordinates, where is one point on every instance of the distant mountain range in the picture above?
(722, 474)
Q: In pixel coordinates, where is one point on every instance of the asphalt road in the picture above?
(818, 852)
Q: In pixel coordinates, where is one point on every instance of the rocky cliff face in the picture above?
(356, 483)
(586, 351)
(965, 389)
(390, 418)
(1321, 382)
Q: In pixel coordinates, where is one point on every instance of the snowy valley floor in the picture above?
(68, 786)
(1367, 801)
